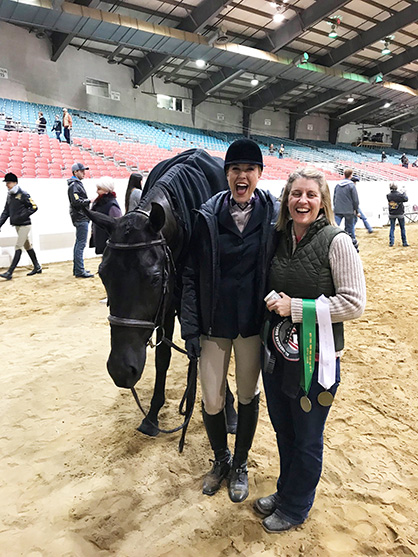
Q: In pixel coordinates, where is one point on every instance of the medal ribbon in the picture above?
(308, 344)
(327, 363)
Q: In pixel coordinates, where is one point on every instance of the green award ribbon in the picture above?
(308, 343)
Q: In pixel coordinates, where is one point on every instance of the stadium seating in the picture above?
(110, 145)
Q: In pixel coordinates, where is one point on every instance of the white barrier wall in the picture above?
(53, 233)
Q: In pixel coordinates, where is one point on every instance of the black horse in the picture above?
(142, 266)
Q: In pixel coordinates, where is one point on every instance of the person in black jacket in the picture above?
(396, 201)
(105, 203)
(41, 123)
(19, 207)
(57, 127)
(77, 196)
(222, 307)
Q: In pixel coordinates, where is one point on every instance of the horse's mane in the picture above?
(188, 180)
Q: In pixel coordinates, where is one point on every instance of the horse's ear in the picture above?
(103, 221)
(157, 216)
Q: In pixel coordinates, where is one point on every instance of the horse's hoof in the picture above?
(147, 428)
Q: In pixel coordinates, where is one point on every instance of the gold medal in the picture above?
(325, 398)
(305, 404)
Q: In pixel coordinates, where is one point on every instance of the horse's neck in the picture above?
(171, 230)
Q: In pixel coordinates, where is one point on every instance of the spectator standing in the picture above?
(77, 196)
(384, 156)
(105, 203)
(346, 204)
(19, 208)
(360, 213)
(133, 192)
(396, 201)
(41, 123)
(57, 127)
(281, 151)
(271, 149)
(67, 124)
(404, 161)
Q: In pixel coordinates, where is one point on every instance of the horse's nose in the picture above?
(125, 365)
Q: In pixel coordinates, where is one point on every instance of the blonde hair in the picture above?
(309, 173)
(106, 183)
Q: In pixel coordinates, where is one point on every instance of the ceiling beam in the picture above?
(357, 114)
(366, 38)
(299, 23)
(212, 83)
(397, 61)
(407, 125)
(60, 41)
(262, 98)
(284, 35)
(318, 101)
(193, 23)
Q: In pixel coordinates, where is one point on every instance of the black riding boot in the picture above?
(247, 423)
(216, 429)
(8, 274)
(36, 266)
(231, 415)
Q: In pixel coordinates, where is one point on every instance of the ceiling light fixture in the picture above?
(387, 105)
(386, 41)
(278, 17)
(350, 99)
(200, 63)
(301, 59)
(335, 21)
(254, 81)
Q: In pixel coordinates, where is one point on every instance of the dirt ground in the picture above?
(78, 480)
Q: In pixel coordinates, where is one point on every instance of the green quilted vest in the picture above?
(306, 273)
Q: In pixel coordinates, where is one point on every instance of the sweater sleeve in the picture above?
(350, 285)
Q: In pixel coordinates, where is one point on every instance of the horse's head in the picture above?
(136, 272)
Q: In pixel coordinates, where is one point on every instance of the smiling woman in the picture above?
(319, 277)
(222, 308)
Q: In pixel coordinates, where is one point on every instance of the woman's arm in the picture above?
(350, 285)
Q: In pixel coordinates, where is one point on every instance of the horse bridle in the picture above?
(158, 321)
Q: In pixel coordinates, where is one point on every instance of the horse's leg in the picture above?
(162, 361)
(231, 414)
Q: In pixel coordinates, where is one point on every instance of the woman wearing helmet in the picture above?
(222, 307)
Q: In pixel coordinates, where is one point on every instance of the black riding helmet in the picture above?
(243, 151)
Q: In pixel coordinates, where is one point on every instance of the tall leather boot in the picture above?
(36, 266)
(231, 415)
(8, 274)
(216, 429)
(247, 423)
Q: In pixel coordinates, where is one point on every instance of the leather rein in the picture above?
(155, 325)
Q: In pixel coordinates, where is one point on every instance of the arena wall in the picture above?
(53, 232)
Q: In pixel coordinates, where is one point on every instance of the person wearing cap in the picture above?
(222, 308)
(346, 204)
(396, 200)
(315, 283)
(19, 208)
(360, 214)
(106, 204)
(67, 124)
(77, 196)
(133, 192)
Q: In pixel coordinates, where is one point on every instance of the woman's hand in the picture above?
(282, 305)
